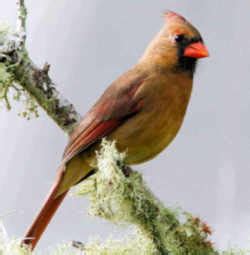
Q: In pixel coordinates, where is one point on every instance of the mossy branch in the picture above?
(127, 199)
(27, 82)
(114, 196)
(40, 86)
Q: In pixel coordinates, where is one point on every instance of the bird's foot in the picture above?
(127, 170)
(78, 245)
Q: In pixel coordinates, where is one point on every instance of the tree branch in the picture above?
(113, 195)
(21, 21)
(40, 86)
(120, 199)
(18, 68)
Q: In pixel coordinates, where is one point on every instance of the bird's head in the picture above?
(178, 46)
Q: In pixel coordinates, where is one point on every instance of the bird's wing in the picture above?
(116, 105)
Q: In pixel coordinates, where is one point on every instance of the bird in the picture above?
(142, 110)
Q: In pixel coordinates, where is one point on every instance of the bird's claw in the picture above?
(78, 245)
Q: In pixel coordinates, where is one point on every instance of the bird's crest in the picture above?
(168, 15)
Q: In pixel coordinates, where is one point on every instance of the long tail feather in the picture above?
(48, 210)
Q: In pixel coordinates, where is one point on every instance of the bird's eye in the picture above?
(179, 38)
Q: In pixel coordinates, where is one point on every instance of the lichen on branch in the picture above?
(41, 88)
(22, 80)
(127, 199)
(114, 196)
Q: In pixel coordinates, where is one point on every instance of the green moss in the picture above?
(40, 88)
(134, 245)
(9, 89)
(24, 82)
(236, 252)
(5, 30)
(127, 200)
(6, 80)
(122, 199)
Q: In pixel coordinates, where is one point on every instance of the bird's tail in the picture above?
(49, 208)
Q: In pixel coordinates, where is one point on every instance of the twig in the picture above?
(21, 21)
(34, 80)
(40, 86)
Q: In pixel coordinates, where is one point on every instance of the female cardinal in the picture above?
(142, 110)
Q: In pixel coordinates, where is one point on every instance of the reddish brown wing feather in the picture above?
(85, 139)
(116, 105)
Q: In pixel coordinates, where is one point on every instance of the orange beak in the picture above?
(196, 50)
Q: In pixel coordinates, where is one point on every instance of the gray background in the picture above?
(89, 43)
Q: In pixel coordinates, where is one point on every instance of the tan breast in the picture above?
(165, 100)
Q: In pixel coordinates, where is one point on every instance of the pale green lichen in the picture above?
(9, 89)
(30, 107)
(37, 83)
(6, 81)
(22, 81)
(126, 199)
(34, 84)
(236, 251)
(11, 246)
(122, 199)
(113, 196)
(133, 245)
(5, 30)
